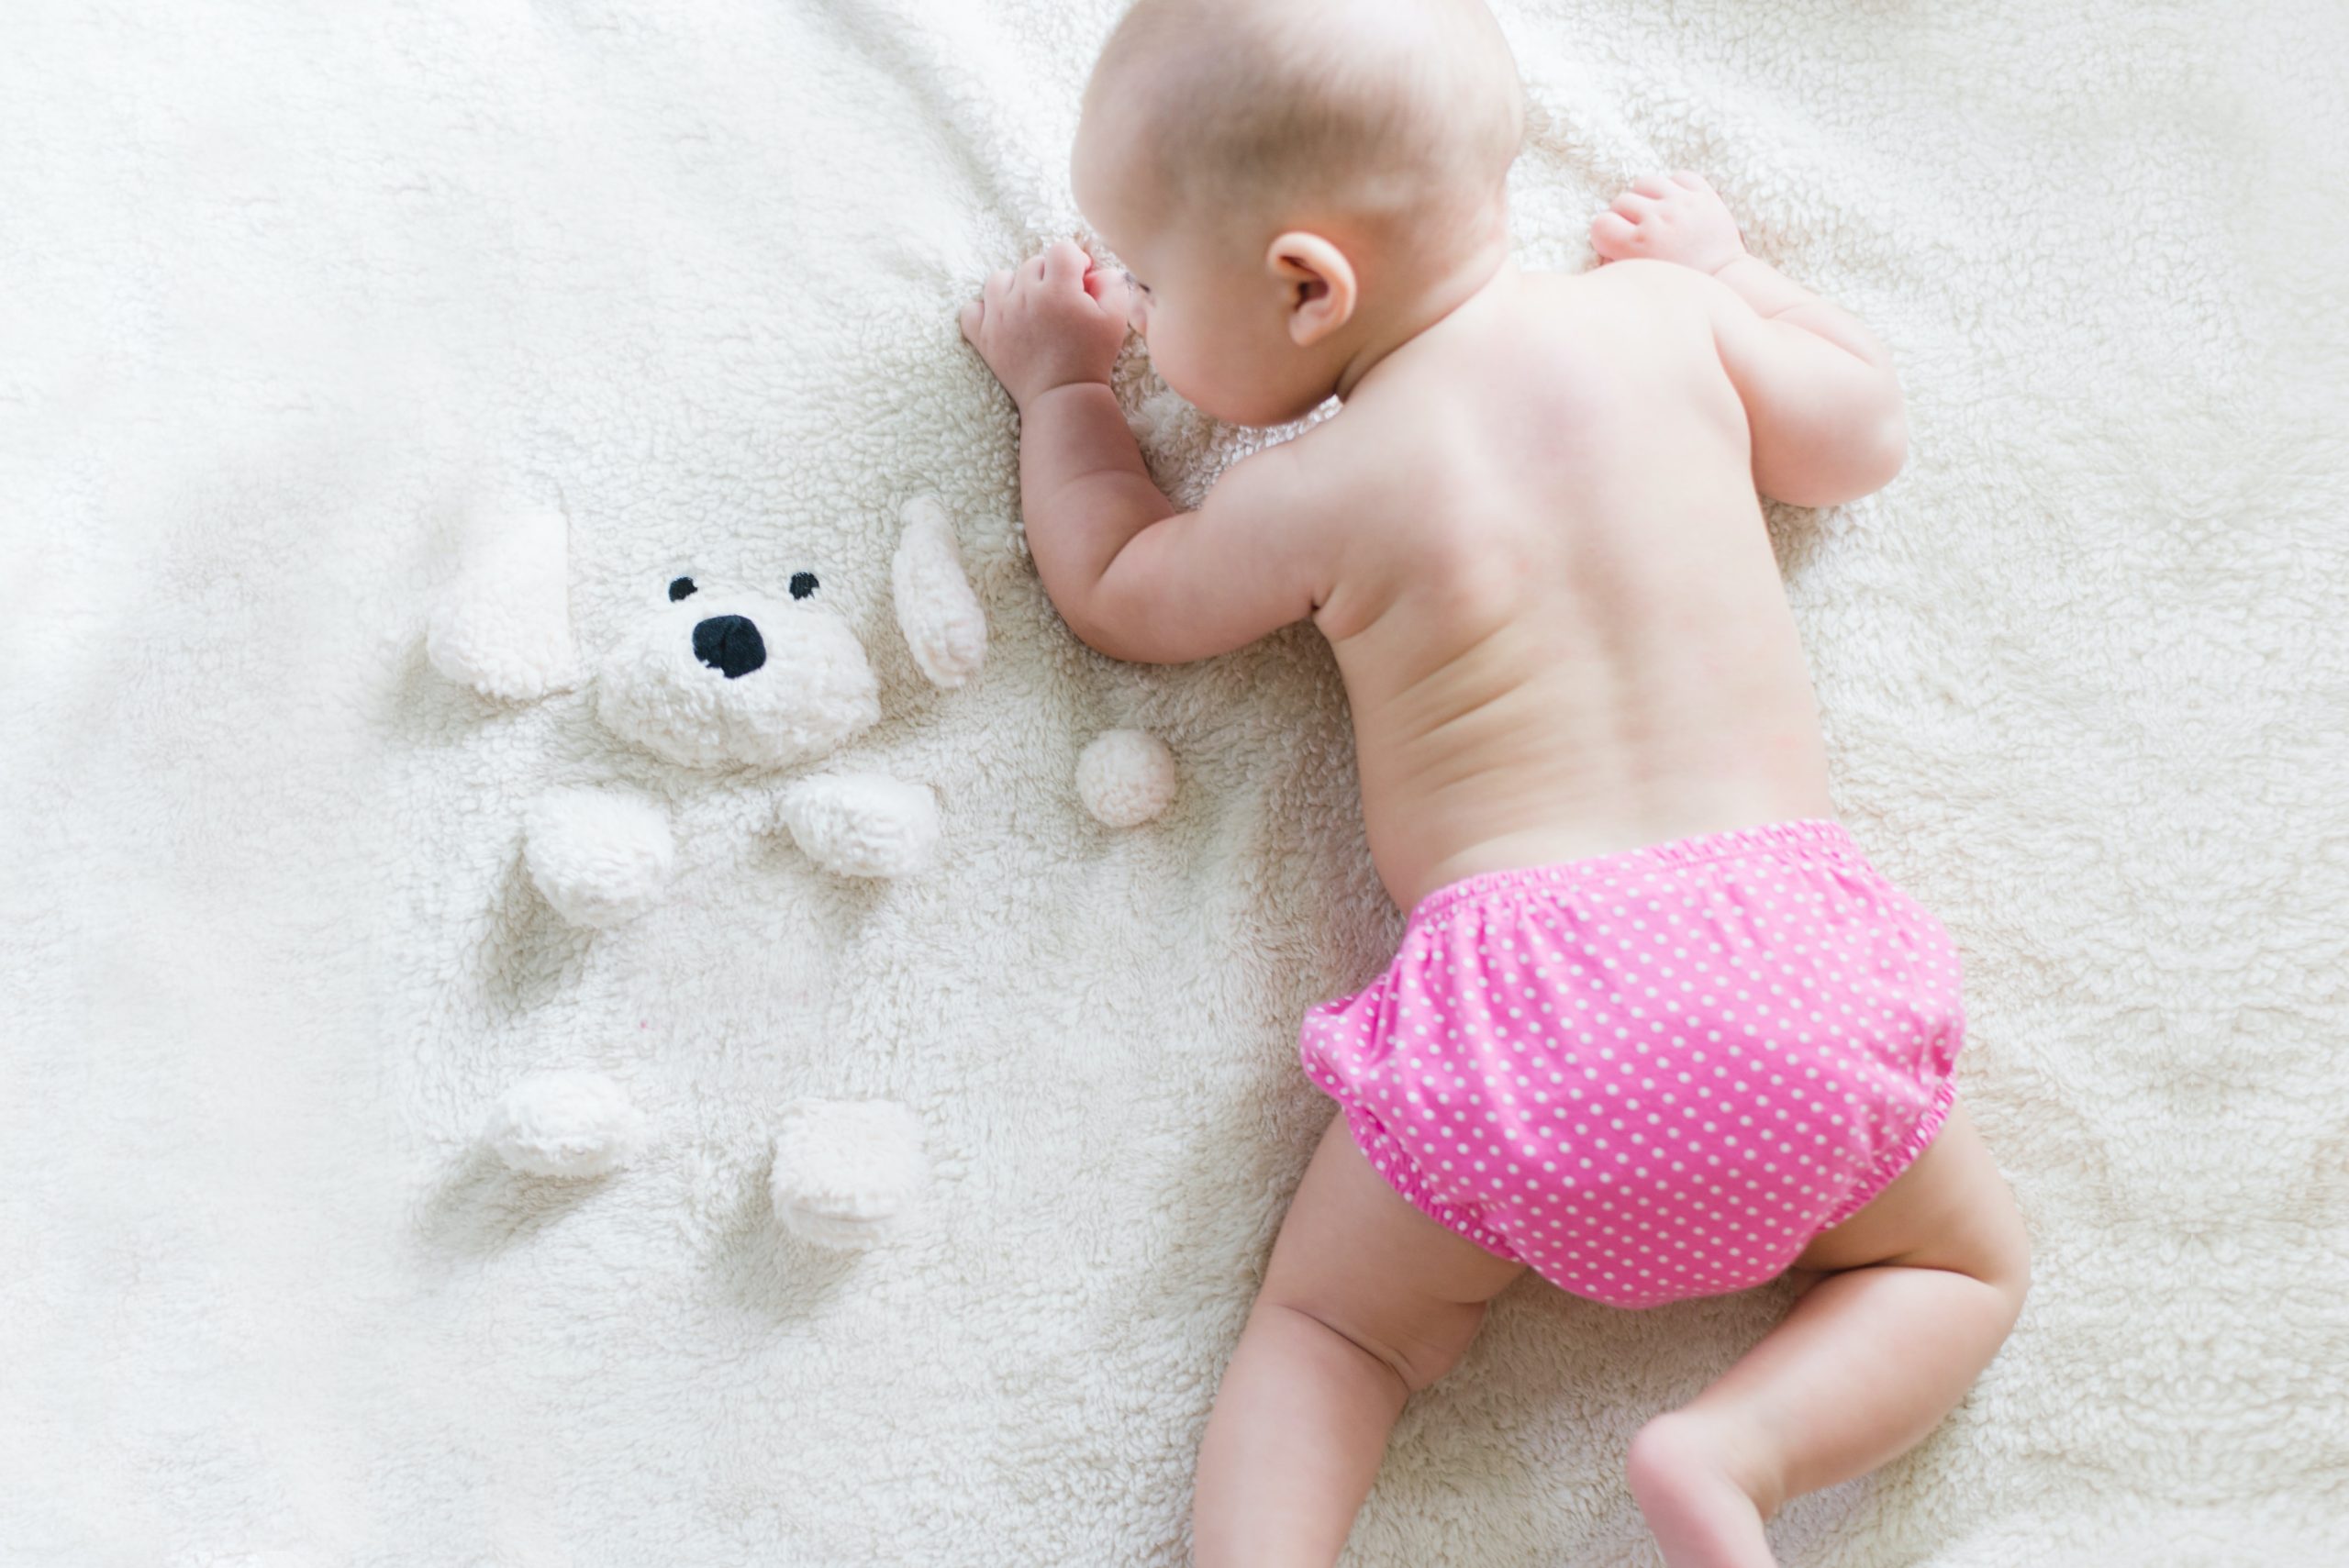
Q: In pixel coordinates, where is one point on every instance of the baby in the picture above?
(1656, 1029)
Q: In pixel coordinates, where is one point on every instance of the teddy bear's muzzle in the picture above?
(729, 644)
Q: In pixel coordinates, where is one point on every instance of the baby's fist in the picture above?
(1680, 219)
(1048, 321)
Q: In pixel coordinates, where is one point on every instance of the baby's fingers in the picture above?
(1652, 185)
(1613, 236)
(970, 316)
(1112, 293)
(1064, 261)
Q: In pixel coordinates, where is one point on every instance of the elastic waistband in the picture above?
(1818, 835)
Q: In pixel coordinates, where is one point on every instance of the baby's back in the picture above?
(1556, 606)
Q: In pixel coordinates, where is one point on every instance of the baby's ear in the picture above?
(939, 616)
(502, 625)
(1319, 282)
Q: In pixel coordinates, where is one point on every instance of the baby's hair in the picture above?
(1405, 114)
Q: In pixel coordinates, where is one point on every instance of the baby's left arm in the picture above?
(1133, 576)
(1822, 403)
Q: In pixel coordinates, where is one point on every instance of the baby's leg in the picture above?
(1922, 1286)
(1366, 1301)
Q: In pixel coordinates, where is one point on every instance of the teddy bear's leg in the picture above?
(502, 625)
(847, 1172)
(862, 824)
(564, 1123)
(600, 857)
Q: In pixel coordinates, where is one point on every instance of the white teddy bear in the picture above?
(713, 680)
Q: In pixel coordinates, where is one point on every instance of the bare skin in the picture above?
(1534, 541)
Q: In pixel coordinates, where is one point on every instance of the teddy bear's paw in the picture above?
(939, 614)
(565, 1124)
(862, 824)
(847, 1172)
(503, 625)
(1125, 777)
(599, 857)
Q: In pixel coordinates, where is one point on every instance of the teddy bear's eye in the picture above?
(683, 588)
(802, 584)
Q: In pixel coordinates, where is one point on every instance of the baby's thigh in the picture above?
(1950, 1209)
(1354, 1254)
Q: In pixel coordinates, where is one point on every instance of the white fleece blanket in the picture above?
(284, 289)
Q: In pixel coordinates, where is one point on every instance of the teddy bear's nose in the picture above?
(730, 644)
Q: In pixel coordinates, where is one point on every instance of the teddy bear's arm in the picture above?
(861, 824)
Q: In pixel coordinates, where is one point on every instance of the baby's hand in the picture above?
(1052, 320)
(1679, 219)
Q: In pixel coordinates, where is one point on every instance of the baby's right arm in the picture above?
(1820, 396)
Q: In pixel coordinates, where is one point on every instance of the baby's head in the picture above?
(1288, 179)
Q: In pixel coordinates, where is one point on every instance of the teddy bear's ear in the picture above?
(502, 625)
(940, 617)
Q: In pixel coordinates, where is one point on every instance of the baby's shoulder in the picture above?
(1635, 285)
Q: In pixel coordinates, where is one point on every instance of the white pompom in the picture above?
(503, 625)
(846, 1171)
(565, 1124)
(1125, 777)
(599, 857)
(861, 824)
(939, 614)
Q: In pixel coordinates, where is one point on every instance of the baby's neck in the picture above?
(1480, 276)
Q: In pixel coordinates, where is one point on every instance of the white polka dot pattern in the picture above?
(1657, 1073)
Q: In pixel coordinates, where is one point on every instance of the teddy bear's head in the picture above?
(719, 679)
(714, 677)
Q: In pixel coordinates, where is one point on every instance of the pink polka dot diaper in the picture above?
(1657, 1073)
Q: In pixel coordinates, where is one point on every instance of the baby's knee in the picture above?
(2011, 1268)
(2002, 1248)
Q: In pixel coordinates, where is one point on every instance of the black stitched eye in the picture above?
(802, 584)
(683, 588)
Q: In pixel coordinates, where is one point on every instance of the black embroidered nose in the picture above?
(729, 643)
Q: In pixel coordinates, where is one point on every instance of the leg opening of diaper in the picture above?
(1401, 1173)
(1896, 1160)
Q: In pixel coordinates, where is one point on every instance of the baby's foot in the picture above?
(1685, 1477)
(1680, 219)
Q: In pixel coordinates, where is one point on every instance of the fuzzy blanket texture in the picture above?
(285, 290)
